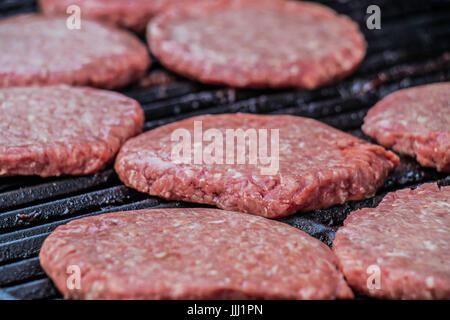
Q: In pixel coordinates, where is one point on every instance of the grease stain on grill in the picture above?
(30, 217)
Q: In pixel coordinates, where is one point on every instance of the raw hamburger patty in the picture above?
(416, 122)
(42, 50)
(190, 254)
(318, 166)
(407, 237)
(132, 14)
(257, 43)
(55, 130)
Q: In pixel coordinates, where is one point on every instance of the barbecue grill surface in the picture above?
(412, 48)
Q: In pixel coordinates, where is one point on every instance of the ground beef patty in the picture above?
(132, 14)
(257, 43)
(42, 50)
(55, 130)
(407, 238)
(318, 166)
(190, 254)
(416, 122)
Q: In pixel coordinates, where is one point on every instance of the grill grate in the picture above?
(412, 48)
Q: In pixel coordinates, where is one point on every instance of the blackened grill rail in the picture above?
(412, 48)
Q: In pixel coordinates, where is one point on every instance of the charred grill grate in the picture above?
(412, 48)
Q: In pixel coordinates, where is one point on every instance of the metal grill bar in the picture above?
(70, 206)
(46, 191)
(12, 7)
(430, 70)
(20, 271)
(38, 289)
(160, 93)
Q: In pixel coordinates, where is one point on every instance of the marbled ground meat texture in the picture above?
(190, 254)
(257, 43)
(416, 122)
(58, 130)
(319, 166)
(131, 14)
(407, 237)
(38, 50)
